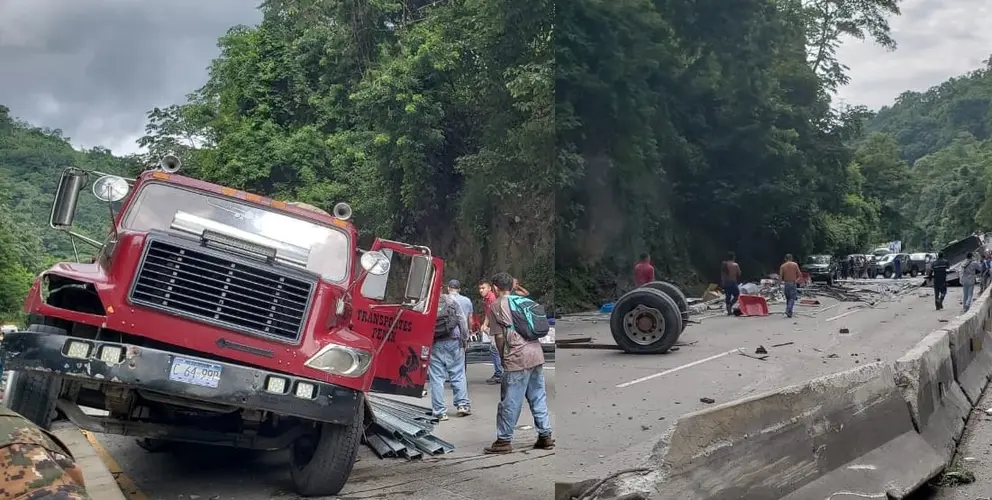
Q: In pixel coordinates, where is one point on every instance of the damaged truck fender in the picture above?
(646, 321)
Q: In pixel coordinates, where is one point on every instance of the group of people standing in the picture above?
(974, 272)
(518, 363)
(730, 278)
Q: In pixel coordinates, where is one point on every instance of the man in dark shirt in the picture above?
(643, 271)
(730, 278)
(938, 272)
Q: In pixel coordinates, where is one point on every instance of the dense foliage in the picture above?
(683, 129)
(433, 119)
(938, 146)
(689, 129)
(31, 160)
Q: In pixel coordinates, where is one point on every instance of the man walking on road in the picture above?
(790, 273)
(35, 464)
(488, 298)
(448, 359)
(730, 277)
(523, 376)
(938, 273)
(970, 273)
(643, 271)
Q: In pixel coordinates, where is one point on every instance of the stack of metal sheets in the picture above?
(403, 430)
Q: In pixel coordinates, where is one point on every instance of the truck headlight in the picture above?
(341, 360)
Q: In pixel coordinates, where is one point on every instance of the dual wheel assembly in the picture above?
(649, 319)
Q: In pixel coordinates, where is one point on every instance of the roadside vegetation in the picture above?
(712, 128)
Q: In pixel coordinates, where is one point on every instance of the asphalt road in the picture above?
(628, 420)
(208, 473)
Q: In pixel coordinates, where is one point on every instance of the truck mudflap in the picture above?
(179, 375)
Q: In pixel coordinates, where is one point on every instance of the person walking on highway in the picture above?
(523, 375)
(897, 265)
(730, 278)
(790, 273)
(970, 273)
(643, 271)
(938, 273)
(488, 298)
(448, 358)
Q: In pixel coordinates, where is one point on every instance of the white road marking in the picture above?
(677, 368)
(845, 314)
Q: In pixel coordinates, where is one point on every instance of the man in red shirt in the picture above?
(643, 271)
(488, 299)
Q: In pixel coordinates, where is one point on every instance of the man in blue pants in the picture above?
(523, 378)
(448, 359)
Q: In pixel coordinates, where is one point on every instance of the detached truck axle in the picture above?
(649, 319)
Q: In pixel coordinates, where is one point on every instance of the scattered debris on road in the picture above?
(403, 430)
(708, 401)
(746, 355)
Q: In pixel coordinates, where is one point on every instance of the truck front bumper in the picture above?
(169, 373)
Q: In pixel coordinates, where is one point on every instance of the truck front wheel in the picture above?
(33, 395)
(321, 463)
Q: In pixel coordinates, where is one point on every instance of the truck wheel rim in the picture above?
(644, 325)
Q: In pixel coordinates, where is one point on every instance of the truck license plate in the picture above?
(191, 371)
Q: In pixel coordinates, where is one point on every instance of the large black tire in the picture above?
(321, 464)
(889, 273)
(914, 272)
(662, 337)
(33, 395)
(675, 294)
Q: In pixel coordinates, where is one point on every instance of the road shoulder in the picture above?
(90, 456)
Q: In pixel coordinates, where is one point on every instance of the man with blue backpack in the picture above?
(518, 324)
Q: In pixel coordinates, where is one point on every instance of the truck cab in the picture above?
(216, 316)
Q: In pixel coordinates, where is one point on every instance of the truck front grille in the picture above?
(212, 288)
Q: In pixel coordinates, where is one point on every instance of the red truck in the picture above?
(216, 316)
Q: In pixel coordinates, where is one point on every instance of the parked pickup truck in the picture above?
(886, 265)
(821, 268)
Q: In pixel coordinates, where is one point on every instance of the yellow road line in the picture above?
(127, 485)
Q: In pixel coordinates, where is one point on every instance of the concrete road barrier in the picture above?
(971, 350)
(937, 404)
(850, 431)
(877, 431)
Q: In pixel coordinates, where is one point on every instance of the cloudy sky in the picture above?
(94, 67)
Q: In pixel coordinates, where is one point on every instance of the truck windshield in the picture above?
(818, 259)
(157, 204)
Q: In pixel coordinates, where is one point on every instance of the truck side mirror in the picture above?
(421, 272)
(67, 197)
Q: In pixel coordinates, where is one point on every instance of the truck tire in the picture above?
(675, 294)
(645, 321)
(914, 272)
(888, 273)
(33, 395)
(320, 465)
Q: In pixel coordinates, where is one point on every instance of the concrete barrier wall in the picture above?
(937, 403)
(880, 430)
(805, 440)
(970, 350)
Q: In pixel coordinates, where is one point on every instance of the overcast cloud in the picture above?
(937, 39)
(93, 68)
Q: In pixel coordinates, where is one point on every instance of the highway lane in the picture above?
(208, 473)
(629, 419)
